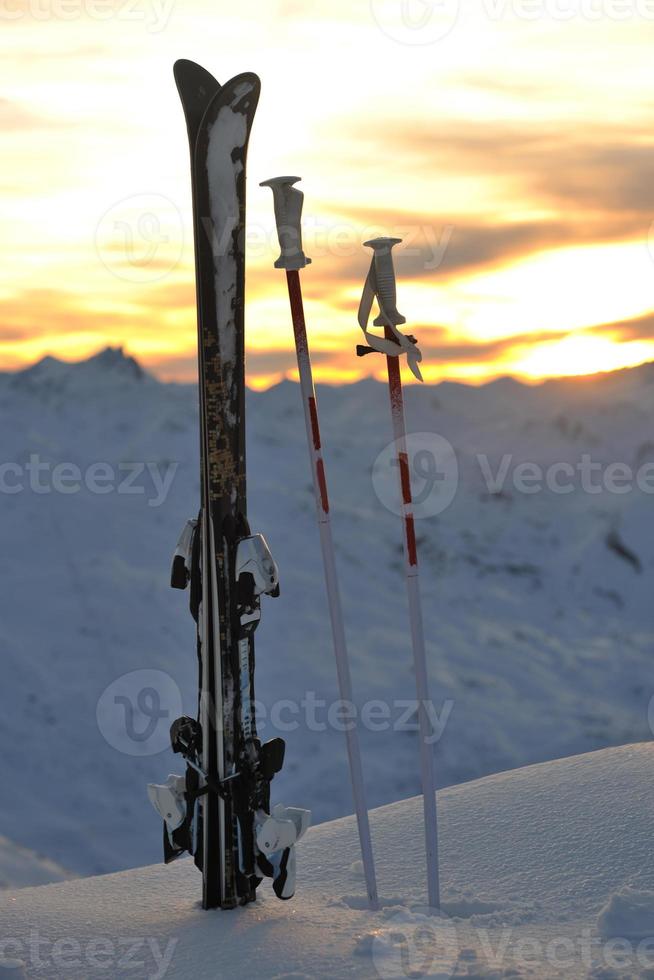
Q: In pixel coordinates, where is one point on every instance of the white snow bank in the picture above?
(529, 860)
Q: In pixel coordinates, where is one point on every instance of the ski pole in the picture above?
(288, 202)
(381, 284)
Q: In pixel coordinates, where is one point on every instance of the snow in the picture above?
(539, 632)
(227, 137)
(547, 873)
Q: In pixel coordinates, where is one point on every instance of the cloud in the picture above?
(17, 118)
(445, 248)
(639, 328)
(587, 185)
(437, 344)
(33, 313)
(178, 295)
(602, 169)
(181, 368)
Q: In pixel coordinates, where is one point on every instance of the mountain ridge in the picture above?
(115, 359)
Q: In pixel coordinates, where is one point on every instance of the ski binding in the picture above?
(169, 801)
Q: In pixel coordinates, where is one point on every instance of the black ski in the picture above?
(220, 810)
(219, 121)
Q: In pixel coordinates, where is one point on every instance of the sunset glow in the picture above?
(507, 145)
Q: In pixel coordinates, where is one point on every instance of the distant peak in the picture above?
(110, 367)
(115, 359)
(43, 369)
(47, 361)
(506, 381)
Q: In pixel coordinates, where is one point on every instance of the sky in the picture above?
(509, 143)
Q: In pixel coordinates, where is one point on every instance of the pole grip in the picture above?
(385, 281)
(288, 216)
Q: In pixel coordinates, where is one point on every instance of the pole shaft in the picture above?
(331, 581)
(417, 629)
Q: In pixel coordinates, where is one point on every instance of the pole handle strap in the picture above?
(380, 284)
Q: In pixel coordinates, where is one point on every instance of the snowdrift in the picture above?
(547, 872)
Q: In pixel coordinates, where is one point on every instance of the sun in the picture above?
(581, 353)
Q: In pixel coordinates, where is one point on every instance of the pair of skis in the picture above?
(220, 810)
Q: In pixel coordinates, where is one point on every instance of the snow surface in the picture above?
(547, 873)
(538, 608)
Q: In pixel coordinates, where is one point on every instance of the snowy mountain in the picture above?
(537, 602)
(547, 874)
(20, 867)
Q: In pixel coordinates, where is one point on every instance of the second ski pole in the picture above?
(380, 285)
(288, 212)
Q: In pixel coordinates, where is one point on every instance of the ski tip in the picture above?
(189, 75)
(196, 87)
(181, 63)
(185, 65)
